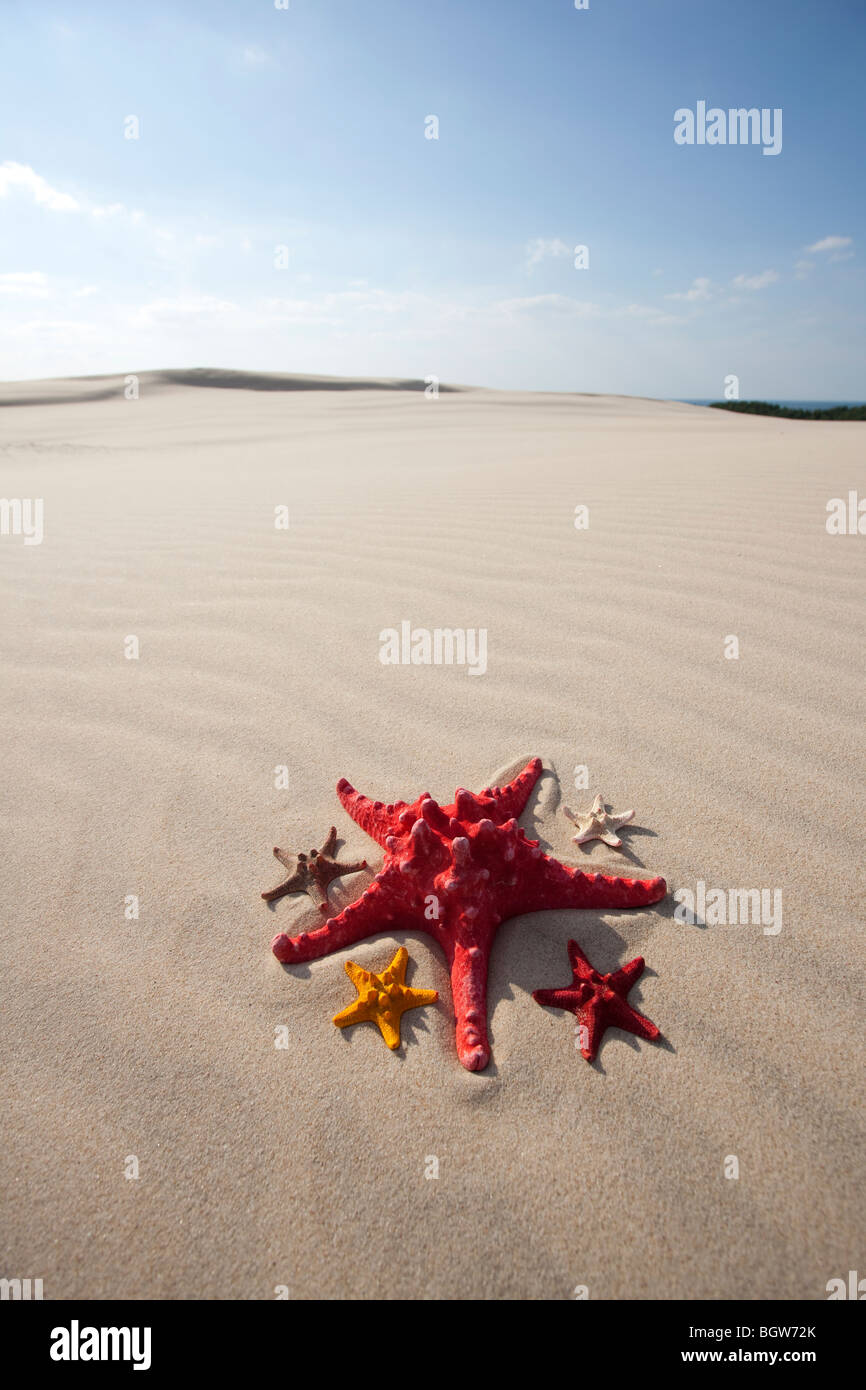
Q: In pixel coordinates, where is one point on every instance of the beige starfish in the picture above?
(598, 824)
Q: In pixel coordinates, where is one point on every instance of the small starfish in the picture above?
(598, 1001)
(311, 875)
(598, 824)
(384, 998)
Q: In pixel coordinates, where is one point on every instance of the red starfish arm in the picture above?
(512, 799)
(554, 999)
(622, 980)
(469, 964)
(545, 883)
(580, 966)
(378, 820)
(591, 1027)
(360, 919)
(622, 1015)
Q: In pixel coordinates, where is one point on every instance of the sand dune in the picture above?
(158, 779)
(100, 388)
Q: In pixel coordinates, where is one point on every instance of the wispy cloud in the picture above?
(550, 303)
(563, 306)
(701, 288)
(541, 248)
(116, 210)
(22, 177)
(255, 57)
(755, 282)
(830, 243)
(32, 284)
(656, 318)
(201, 308)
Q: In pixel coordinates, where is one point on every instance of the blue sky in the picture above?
(406, 256)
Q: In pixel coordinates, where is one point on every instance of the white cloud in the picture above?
(21, 176)
(66, 331)
(336, 307)
(191, 308)
(830, 243)
(540, 248)
(564, 306)
(655, 318)
(110, 210)
(549, 303)
(255, 57)
(802, 268)
(30, 283)
(699, 289)
(755, 282)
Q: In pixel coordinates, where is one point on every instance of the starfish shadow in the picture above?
(410, 1028)
(667, 907)
(413, 1022)
(409, 1031)
(544, 798)
(624, 853)
(617, 1035)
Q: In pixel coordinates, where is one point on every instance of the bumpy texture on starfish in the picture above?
(598, 1001)
(456, 872)
(312, 875)
(598, 824)
(384, 998)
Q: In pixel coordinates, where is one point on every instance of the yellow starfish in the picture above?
(383, 998)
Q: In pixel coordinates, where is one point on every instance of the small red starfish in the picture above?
(456, 872)
(599, 1001)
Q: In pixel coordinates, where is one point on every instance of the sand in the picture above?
(305, 1166)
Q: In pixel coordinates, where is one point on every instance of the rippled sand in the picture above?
(304, 1166)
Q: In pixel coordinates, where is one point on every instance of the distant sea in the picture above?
(795, 405)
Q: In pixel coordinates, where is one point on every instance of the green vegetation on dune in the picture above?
(787, 412)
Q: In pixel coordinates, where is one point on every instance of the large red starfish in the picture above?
(598, 1001)
(457, 872)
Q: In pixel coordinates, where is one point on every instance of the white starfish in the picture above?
(598, 824)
